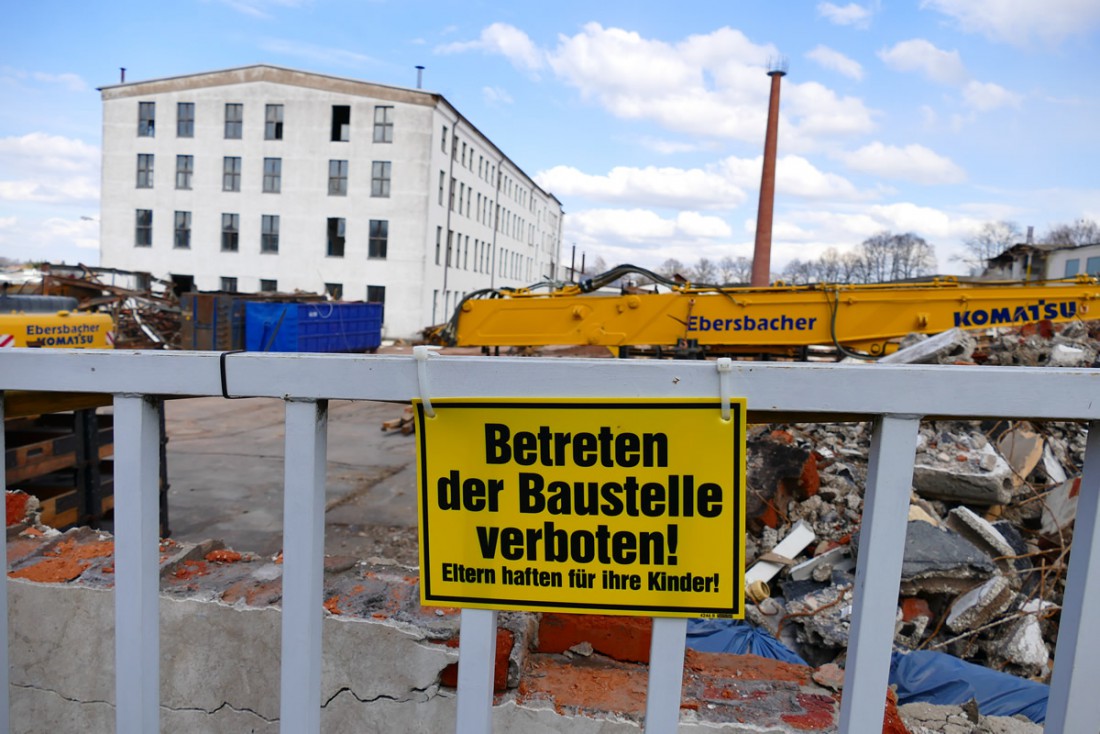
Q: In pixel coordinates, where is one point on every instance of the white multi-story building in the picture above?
(268, 179)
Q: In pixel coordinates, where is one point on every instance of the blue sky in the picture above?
(646, 120)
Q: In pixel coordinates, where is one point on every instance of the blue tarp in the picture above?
(736, 636)
(935, 677)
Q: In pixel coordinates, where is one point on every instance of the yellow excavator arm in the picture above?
(776, 319)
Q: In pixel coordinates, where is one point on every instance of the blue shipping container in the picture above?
(312, 327)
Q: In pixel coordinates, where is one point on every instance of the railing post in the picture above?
(477, 648)
(1073, 704)
(303, 565)
(878, 572)
(4, 702)
(666, 675)
(137, 554)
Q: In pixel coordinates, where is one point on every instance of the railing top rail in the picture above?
(833, 391)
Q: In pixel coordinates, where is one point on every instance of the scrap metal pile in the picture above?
(145, 310)
(990, 523)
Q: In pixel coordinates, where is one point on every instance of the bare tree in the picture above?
(732, 270)
(990, 240)
(704, 272)
(798, 272)
(887, 256)
(1081, 232)
(599, 265)
(672, 267)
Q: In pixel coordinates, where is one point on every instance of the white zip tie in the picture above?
(725, 369)
(421, 353)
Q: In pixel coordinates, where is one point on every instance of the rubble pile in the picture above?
(990, 522)
(145, 310)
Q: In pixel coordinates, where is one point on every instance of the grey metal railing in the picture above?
(895, 398)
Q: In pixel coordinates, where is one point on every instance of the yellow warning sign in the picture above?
(582, 505)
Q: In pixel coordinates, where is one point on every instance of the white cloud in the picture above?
(1017, 22)
(921, 56)
(54, 239)
(71, 82)
(496, 96)
(320, 54)
(262, 8)
(644, 226)
(50, 152)
(986, 96)
(505, 40)
(835, 61)
(49, 169)
(910, 163)
(945, 67)
(710, 85)
(669, 147)
(820, 111)
(650, 186)
(720, 186)
(850, 14)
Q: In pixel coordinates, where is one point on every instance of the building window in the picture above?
(335, 291)
(337, 178)
(442, 181)
(379, 235)
(143, 228)
(145, 171)
(341, 123)
(268, 286)
(438, 242)
(183, 231)
(147, 113)
(269, 233)
(1072, 267)
(383, 124)
(185, 166)
(228, 285)
(443, 140)
(231, 173)
(377, 294)
(1092, 266)
(185, 120)
(335, 237)
(273, 122)
(231, 232)
(380, 178)
(273, 175)
(234, 120)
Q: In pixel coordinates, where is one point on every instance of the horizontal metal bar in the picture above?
(849, 390)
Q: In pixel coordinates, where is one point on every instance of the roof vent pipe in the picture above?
(122, 75)
(419, 76)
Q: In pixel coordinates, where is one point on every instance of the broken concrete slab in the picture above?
(940, 561)
(980, 605)
(1024, 646)
(979, 476)
(800, 536)
(982, 534)
(918, 349)
(929, 718)
(1071, 355)
(820, 568)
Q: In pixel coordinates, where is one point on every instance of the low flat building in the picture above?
(268, 179)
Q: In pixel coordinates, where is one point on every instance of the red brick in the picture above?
(913, 607)
(598, 685)
(505, 640)
(620, 638)
(16, 505)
